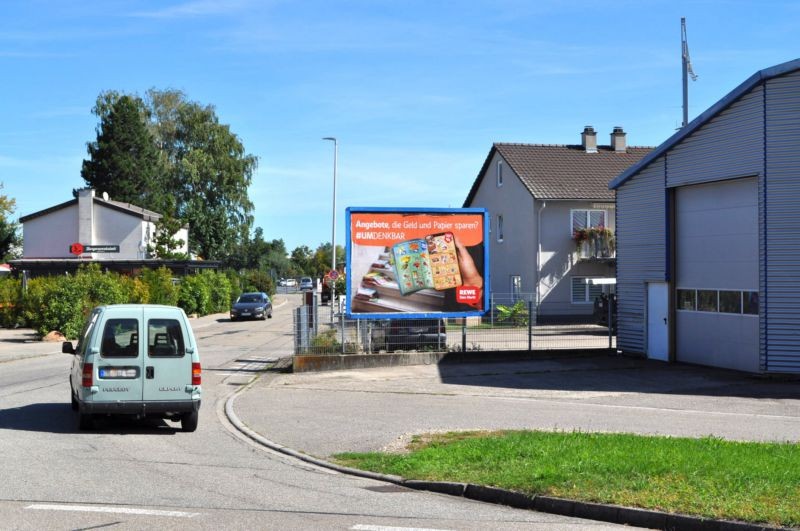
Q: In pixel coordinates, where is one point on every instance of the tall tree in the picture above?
(9, 237)
(124, 161)
(205, 172)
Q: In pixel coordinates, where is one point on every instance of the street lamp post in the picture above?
(333, 231)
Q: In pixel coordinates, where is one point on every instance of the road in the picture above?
(150, 475)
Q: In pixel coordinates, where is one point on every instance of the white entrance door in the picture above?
(657, 328)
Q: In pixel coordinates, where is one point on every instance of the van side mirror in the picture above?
(67, 348)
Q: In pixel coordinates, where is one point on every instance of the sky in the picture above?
(415, 91)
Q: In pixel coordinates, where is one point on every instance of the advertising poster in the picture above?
(416, 262)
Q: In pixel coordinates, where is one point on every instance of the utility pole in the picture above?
(687, 71)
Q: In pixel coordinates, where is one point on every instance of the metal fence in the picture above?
(510, 325)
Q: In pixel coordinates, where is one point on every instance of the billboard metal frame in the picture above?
(416, 315)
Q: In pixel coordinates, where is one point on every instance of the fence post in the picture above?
(491, 308)
(341, 325)
(463, 334)
(610, 324)
(530, 326)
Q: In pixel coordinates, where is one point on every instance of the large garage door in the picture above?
(717, 274)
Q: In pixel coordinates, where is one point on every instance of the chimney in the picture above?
(589, 139)
(618, 140)
(86, 216)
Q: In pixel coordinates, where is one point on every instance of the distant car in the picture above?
(291, 283)
(282, 282)
(409, 334)
(306, 284)
(255, 305)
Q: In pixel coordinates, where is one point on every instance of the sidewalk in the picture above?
(315, 415)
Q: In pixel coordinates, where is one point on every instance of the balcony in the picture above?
(595, 243)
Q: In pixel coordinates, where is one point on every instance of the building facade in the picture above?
(708, 267)
(552, 221)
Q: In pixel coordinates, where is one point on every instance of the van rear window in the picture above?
(120, 339)
(165, 338)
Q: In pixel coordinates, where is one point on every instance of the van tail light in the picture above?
(196, 371)
(86, 375)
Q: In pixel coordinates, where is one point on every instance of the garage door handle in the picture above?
(149, 373)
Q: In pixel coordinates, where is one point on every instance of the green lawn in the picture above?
(710, 477)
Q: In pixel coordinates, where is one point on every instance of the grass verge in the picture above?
(709, 477)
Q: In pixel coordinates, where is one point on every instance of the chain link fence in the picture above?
(510, 325)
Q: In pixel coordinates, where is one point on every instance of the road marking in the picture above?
(116, 510)
(360, 527)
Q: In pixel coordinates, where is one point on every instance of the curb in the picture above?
(615, 514)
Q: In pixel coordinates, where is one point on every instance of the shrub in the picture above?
(194, 295)
(256, 280)
(10, 302)
(219, 291)
(160, 288)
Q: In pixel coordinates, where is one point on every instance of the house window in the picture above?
(584, 292)
(586, 219)
(500, 228)
(499, 170)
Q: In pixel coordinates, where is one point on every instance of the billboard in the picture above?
(410, 263)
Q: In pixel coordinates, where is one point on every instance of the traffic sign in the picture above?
(333, 274)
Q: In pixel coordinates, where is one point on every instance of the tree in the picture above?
(9, 237)
(301, 259)
(321, 262)
(124, 161)
(204, 170)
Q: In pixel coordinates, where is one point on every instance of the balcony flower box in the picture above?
(594, 242)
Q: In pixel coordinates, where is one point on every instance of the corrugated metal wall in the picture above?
(728, 146)
(641, 250)
(780, 282)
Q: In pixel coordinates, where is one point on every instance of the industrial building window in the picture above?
(730, 302)
(750, 299)
(586, 219)
(499, 170)
(722, 301)
(706, 300)
(687, 299)
(584, 292)
(500, 228)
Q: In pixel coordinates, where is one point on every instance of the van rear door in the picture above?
(119, 365)
(168, 360)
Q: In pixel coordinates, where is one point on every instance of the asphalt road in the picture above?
(149, 475)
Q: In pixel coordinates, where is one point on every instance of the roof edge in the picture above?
(725, 102)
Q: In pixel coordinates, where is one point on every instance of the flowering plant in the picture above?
(599, 236)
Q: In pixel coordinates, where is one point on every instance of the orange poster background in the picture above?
(386, 229)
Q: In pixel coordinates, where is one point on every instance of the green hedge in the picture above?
(62, 302)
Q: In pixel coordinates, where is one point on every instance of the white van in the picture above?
(136, 359)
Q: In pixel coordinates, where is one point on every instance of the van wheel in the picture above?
(85, 421)
(189, 421)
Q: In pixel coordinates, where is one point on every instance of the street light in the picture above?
(333, 231)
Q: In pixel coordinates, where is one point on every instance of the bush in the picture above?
(159, 285)
(256, 280)
(10, 302)
(194, 295)
(219, 290)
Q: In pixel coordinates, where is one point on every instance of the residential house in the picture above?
(552, 221)
(94, 229)
(708, 242)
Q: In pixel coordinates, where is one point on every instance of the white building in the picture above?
(124, 229)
